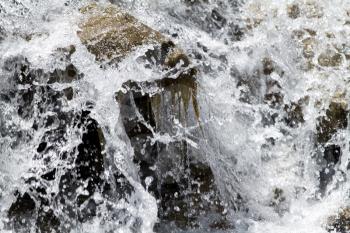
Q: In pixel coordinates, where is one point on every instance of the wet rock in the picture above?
(309, 45)
(193, 2)
(217, 19)
(313, 9)
(331, 156)
(343, 49)
(268, 66)
(294, 112)
(258, 16)
(327, 126)
(195, 197)
(21, 211)
(293, 11)
(170, 170)
(110, 34)
(279, 202)
(340, 222)
(335, 119)
(77, 171)
(330, 58)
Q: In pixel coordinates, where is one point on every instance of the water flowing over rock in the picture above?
(128, 116)
(153, 109)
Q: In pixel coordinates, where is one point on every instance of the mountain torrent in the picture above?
(174, 116)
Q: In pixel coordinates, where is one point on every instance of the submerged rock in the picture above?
(309, 47)
(293, 11)
(313, 9)
(330, 58)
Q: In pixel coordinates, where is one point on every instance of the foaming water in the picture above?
(267, 166)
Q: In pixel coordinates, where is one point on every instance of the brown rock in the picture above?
(293, 11)
(110, 33)
(340, 222)
(313, 9)
(330, 58)
(309, 46)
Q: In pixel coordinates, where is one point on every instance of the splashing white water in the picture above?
(237, 141)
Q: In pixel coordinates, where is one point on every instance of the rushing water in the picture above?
(263, 88)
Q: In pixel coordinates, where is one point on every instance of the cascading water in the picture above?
(95, 142)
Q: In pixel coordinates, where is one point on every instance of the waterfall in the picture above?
(174, 116)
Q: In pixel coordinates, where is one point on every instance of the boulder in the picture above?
(110, 34)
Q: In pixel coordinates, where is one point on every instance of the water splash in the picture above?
(269, 72)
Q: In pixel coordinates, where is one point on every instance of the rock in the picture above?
(309, 47)
(335, 119)
(330, 58)
(331, 156)
(294, 113)
(64, 185)
(177, 179)
(293, 11)
(259, 16)
(194, 2)
(21, 211)
(169, 170)
(110, 34)
(268, 66)
(279, 202)
(343, 49)
(313, 9)
(152, 108)
(340, 222)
